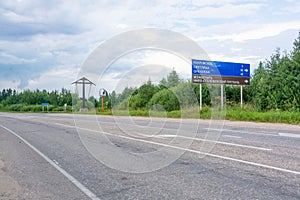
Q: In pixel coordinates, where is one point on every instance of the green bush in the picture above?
(58, 109)
(32, 108)
(174, 114)
(15, 107)
(143, 113)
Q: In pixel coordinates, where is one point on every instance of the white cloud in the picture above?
(259, 32)
(122, 26)
(13, 60)
(293, 8)
(226, 11)
(14, 17)
(54, 79)
(134, 69)
(267, 30)
(5, 84)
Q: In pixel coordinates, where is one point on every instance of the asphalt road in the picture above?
(59, 156)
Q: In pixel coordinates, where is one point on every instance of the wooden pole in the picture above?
(83, 93)
(102, 102)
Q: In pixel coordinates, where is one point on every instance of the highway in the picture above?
(65, 156)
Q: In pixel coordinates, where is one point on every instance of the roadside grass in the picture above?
(23, 108)
(231, 113)
(269, 116)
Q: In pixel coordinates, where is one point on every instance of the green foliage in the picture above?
(185, 94)
(30, 101)
(142, 96)
(275, 84)
(165, 98)
(172, 80)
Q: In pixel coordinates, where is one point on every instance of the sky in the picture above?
(44, 44)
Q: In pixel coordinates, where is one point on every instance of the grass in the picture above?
(269, 116)
(232, 113)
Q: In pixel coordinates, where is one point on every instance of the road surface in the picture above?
(59, 156)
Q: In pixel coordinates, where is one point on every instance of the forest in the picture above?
(275, 86)
(30, 101)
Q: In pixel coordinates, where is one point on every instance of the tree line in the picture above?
(28, 100)
(275, 84)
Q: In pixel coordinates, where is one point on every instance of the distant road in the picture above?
(47, 156)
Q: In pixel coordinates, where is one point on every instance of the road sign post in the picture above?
(222, 97)
(102, 102)
(45, 105)
(241, 96)
(200, 100)
(102, 94)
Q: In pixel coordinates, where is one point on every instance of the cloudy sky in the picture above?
(43, 44)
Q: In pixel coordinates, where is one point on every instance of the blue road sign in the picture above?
(45, 104)
(217, 68)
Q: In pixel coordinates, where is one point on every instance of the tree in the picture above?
(143, 95)
(165, 98)
(172, 80)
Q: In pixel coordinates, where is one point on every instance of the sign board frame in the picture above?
(217, 72)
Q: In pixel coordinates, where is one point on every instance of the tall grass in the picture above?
(234, 113)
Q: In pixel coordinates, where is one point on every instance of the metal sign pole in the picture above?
(200, 96)
(222, 97)
(241, 96)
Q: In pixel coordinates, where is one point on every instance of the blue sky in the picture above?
(44, 43)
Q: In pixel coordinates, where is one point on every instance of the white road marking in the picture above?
(80, 186)
(165, 136)
(232, 136)
(56, 163)
(190, 150)
(293, 135)
(205, 140)
(214, 141)
(264, 133)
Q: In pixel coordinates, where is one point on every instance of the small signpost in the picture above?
(102, 94)
(45, 105)
(223, 73)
